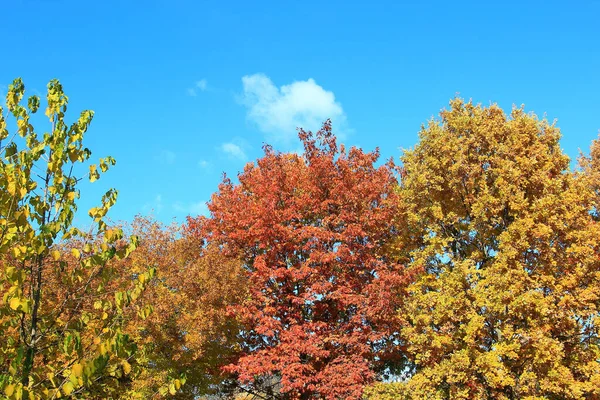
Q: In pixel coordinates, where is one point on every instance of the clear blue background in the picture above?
(391, 65)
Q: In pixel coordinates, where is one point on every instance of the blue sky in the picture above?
(186, 90)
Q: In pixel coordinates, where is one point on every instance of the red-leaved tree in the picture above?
(309, 229)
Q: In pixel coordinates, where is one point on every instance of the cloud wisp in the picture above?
(166, 157)
(199, 208)
(234, 151)
(203, 164)
(199, 86)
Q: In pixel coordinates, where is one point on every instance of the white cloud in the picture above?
(199, 208)
(204, 164)
(200, 85)
(234, 151)
(279, 111)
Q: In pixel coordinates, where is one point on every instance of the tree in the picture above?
(189, 335)
(318, 318)
(507, 304)
(58, 340)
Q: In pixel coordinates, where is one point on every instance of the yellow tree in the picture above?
(506, 305)
(58, 339)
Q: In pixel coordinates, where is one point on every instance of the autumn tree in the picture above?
(309, 228)
(57, 338)
(189, 335)
(507, 304)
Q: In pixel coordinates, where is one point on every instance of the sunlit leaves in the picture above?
(308, 229)
(507, 305)
(182, 325)
(56, 342)
(477, 275)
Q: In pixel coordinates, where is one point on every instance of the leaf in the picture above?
(16, 251)
(9, 390)
(126, 367)
(73, 155)
(94, 174)
(25, 306)
(15, 303)
(68, 388)
(77, 370)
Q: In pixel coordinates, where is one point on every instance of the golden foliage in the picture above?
(189, 334)
(507, 305)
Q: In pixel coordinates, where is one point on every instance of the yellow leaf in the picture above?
(67, 388)
(11, 187)
(77, 370)
(76, 253)
(25, 306)
(15, 302)
(126, 367)
(9, 390)
(94, 174)
(16, 252)
(56, 255)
